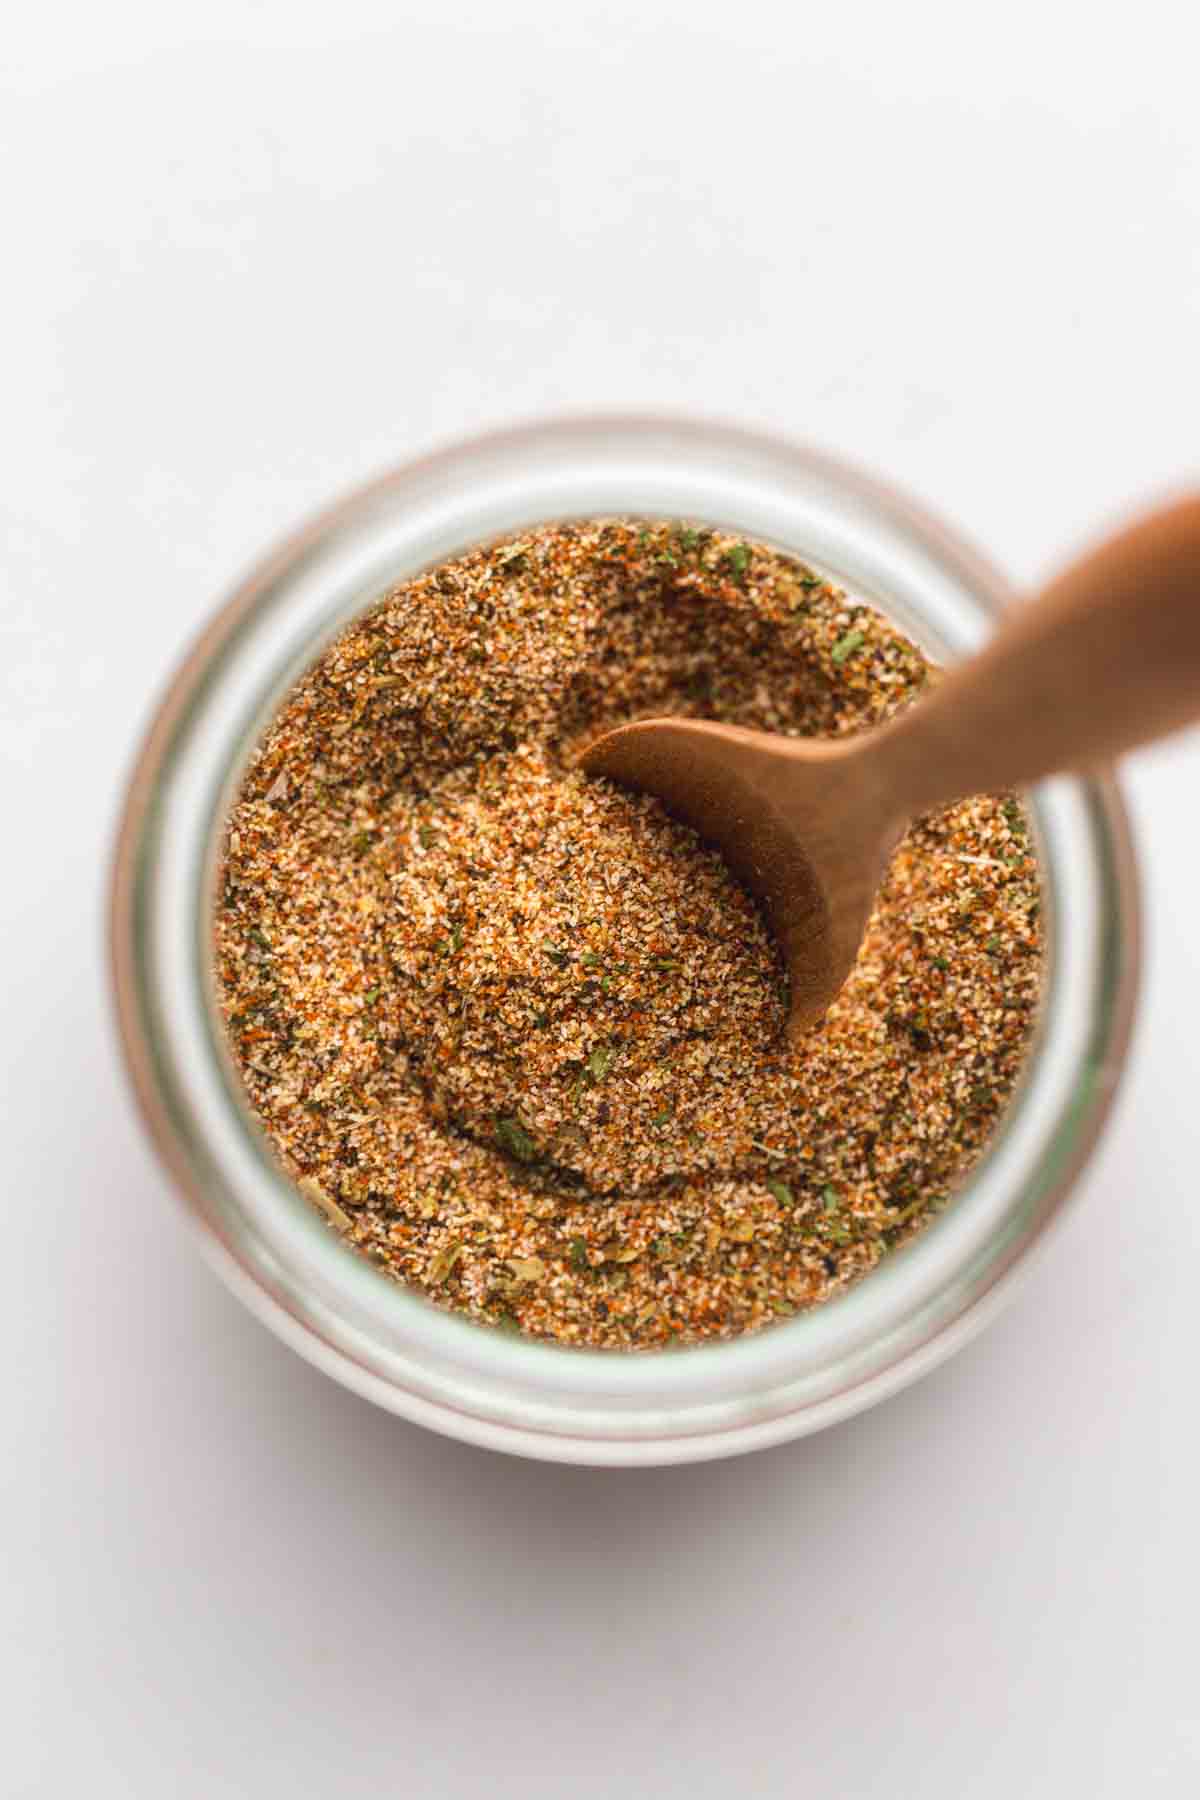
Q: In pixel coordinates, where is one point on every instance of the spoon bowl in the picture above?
(799, 822)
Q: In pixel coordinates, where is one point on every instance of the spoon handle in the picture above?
(1105, 658)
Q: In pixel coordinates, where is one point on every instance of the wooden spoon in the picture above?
(1105, 658)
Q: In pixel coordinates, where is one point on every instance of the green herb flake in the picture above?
(661, 962)
(579, 1255)
(443, 1263)
(779, 1190)
(1014, 818)
(361, 842)
(739, 561)
(829, 1196)
(590, 960)
(516, 1140)
(426, 836)
(660, 1118)
(600, 1061)
(847, 645)
(371, 996)
(689, 538)
(456, 938)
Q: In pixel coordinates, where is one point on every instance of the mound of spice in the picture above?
(518, 1033)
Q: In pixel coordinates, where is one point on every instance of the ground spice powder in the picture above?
(518, 1034)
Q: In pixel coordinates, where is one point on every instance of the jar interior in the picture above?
(329, 1301)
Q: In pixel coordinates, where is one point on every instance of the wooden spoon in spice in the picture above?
(1105, 658)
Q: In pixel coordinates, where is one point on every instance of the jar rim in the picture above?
(391, 1344)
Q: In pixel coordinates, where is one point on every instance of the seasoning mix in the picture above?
(519, 1035)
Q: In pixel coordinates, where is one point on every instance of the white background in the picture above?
(250, 260)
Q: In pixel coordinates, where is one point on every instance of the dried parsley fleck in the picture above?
(739, 561)
(1014, 818)
(516, 1140)
(846, 645)
(443, 1263)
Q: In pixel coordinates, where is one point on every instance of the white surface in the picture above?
(251, 259)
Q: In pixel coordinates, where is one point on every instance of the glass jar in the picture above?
(328, 1301)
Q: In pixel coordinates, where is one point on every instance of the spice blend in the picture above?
(519, 1035)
